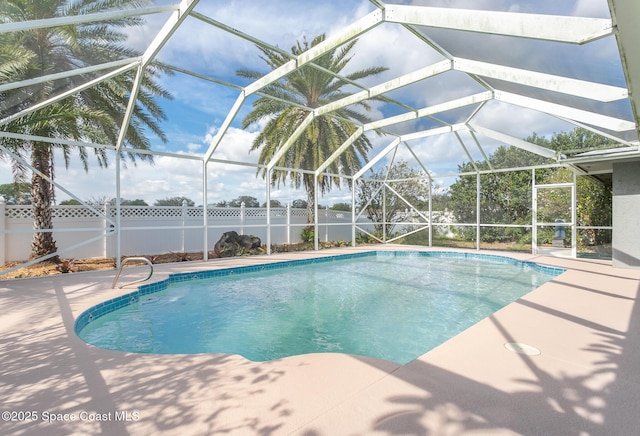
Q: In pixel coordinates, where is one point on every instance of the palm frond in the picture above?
(311, 87)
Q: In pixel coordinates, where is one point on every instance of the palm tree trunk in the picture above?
(42, 197)
(310, 186)
(310, 208)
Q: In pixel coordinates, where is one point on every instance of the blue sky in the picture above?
(199, 108)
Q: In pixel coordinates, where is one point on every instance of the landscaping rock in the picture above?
(231, 244)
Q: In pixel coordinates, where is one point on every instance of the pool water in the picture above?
(393, 307)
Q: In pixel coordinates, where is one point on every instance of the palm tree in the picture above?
(92, 115)
(308, 87)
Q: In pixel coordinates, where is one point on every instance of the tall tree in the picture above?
(94, 114)
(383, 206)
(16, 193)
(174, 201)
(505, 197)
(248, 201)
(310, 87)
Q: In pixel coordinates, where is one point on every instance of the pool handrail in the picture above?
(115, 280)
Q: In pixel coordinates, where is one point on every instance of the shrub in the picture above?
(308, 234)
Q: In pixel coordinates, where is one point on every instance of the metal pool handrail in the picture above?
(115, 280)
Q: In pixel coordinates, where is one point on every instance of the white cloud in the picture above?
(192, 148)
(5, 172)
(234, 146)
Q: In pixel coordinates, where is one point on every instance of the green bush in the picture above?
(308, 234)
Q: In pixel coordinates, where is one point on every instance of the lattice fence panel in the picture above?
(195, 212)
(148, 212)
(68, 212)
(224, 212)
(278, 212)
(255, 213)
(18, 212)
(302, 213)
(79, 212)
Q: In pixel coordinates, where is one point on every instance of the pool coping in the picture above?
(585, 322)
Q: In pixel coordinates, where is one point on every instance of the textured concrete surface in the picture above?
(586, 380)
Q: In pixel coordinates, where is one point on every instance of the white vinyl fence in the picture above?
(84, 233)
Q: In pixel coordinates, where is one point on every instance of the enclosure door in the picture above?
(554, 219)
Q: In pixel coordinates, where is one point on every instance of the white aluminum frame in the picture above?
(562, 29)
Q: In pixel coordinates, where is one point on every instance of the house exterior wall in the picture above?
(626, 215)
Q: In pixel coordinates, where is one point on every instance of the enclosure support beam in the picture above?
(27, 165)
(268, 197)
(118, 217)
(132, 62)
(574, 217)
(158, 42)
(534, 213)
(350, 32)
(133, 98)
(424, 112)
(205, 211)
(576, 30)
(290, 141)
(71, 20)
(339, 151)
(565, 85)
(478, 187)
(353, 213)
(387, 87)
(53, 183)
(375, 160)
(430, 211)
(571, 113)
(519, 143)
(625, 17)
(315, 213)
(384, 208)
(169, 28)
(225, 126)
(432, 132)
(68, 93)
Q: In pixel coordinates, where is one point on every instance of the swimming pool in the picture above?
(390, 305)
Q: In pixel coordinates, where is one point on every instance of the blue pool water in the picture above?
(393, 306)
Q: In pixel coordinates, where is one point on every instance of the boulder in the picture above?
(231, 244)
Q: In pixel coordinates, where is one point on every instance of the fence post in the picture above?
(184, 221)
(3, 226)
(288, 223)
(242, 218)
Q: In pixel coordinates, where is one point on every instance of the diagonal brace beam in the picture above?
(519, 143)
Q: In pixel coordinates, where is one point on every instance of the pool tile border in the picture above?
(114, 304)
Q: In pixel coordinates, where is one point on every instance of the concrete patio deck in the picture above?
(586, 381)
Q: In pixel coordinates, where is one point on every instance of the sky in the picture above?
(199, 108)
